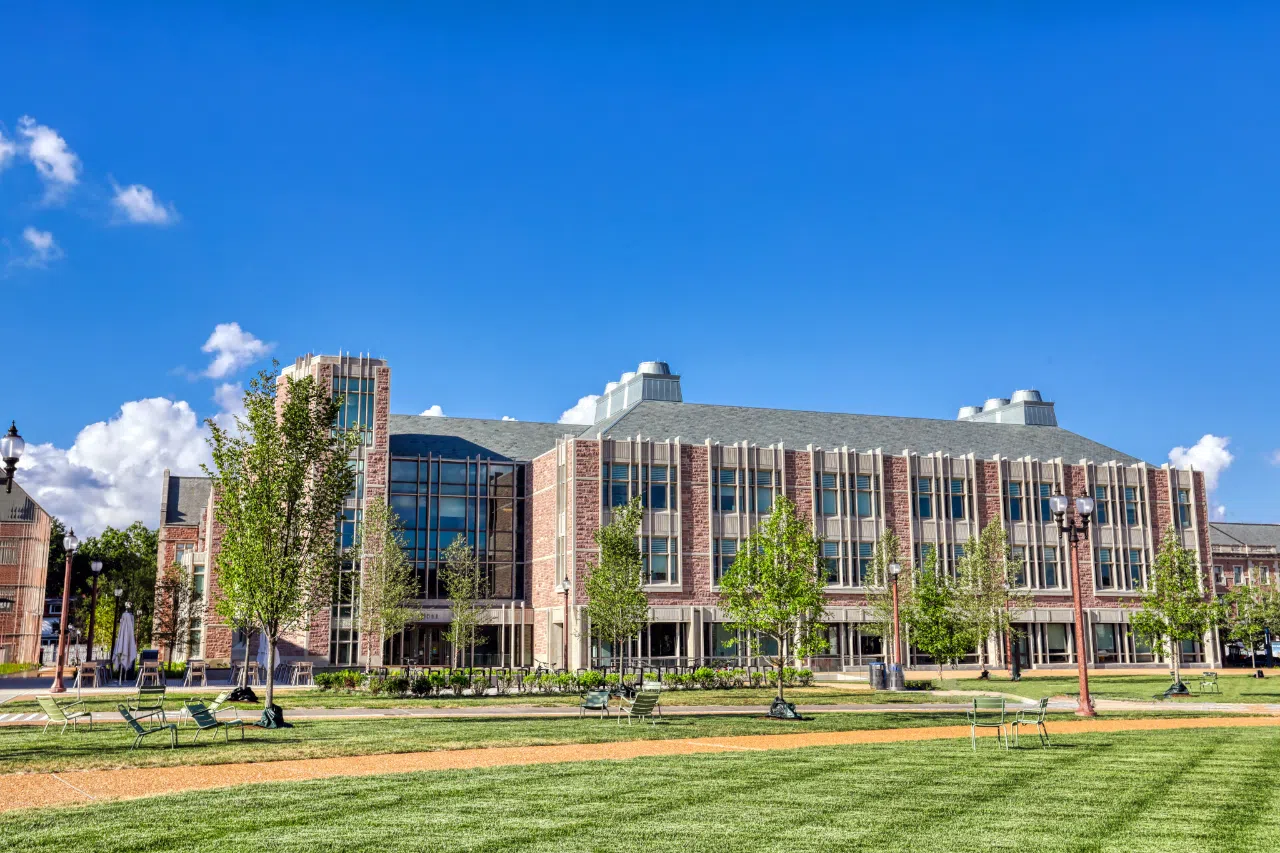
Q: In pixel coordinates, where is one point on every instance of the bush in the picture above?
(918, 685)
(565, 682)
(506, 679)
(758, 678)
(343, 679)
(479, 684)
(671, 680)
(805, 677)
(459, 680)
(421, 686)
(591, 680)
(395, 685)
(612, 681)
(704, 677)
(377, 684)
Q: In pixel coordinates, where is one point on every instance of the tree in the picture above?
(938, 627)
(1252, 610)
(776, 587)
(887, 550)
(129, 562)
(279, 481)
(617, 607)
(1175, 608)
(387, 579)
(986, 593)
(465, 585)
(172, 615)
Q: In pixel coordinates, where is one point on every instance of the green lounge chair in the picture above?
(148, 702)
(215, 707)
(641, 707)
(1209, 683)
(142, 731)
(65, 714)
(987, 713)
(595, 700)
(206, 721)
(1033, 717)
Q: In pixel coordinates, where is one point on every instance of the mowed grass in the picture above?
(1142, 688)
(1136, 792)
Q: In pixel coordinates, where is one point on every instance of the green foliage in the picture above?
(888, 550)
(938, 627)
(128, 561)
(345, 679)
(174, 611)
(1175, 607)
(280, 478)
(465, 584)
(387, 579)
(776, 587)
(986, 595)
(1252, 610)
(591, 680)
(617, 607)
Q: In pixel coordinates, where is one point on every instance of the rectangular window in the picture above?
(1184, 508)
(659, 560)
(924, 552)
(618, 485)
(658, 487)
(1051, 573)
(1217, 576)
(181, 550)
(1135, 569)
(762, 492)
(831, 557)
(1013, 507)
(865, 550)
(924, 497)
(1106, 572)
(1101, 498)
(959, 500)
(1044, 490)
(726, 487)
(726, 550)
(831, 494)
(1237, 572)
(197, 583)
(862, 496)
(1132, 511)
(1018, 565)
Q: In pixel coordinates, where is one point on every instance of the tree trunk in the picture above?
(1253, 653)
(782, 660)
(1176, 651)
(271, 670)
(244, 670)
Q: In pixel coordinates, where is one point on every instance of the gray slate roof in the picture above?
(18, 505)
(696, 422)
(1226, 533)
(459, 438)
(186, 500)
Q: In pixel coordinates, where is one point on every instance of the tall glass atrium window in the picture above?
(357, 405)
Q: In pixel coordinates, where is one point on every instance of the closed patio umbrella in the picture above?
(126, 650)
(262, 652)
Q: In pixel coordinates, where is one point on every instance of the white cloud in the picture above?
(508, 418)
(138, 204)
(582, 412)
(230, 397)
(433, 412)
(1219, 513)
(1274, 458)
(111, 474)
(1209, 455)
(234, 348)
(43, 247)
(57, 164)
(8, 150)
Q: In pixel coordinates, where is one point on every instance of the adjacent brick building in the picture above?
(529, 496)
(24, 563)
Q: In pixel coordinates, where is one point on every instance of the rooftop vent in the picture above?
(652, 380)
(1025, 407)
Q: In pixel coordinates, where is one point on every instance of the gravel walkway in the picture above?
(28, 790)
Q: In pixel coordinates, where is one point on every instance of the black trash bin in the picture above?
(896, 679)
(875, 676)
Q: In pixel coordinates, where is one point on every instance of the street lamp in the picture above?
(69, 544)
(11, 447)
(563, 586)
(894, 571)
(115, 624)
(1077, 530)
(96, 565)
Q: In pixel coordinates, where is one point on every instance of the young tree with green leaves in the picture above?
(280, 479)
(776, 587)
(129, 562)
(1251, 611)
(617, 607)
(387, 579)
(172, 614)
(887, 551)
(466, 585)
(1175, 607)
(986, 588)
(939, 628)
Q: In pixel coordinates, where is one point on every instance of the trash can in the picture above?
(875, 676)
(896, 680)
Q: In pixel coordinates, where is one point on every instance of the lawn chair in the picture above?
(63, 713)
(149, 675)
(1209, 683)
(595, 700)
(206, 721)
(195, 674)
(142, 731)
(1034, 718)
(987, 713)
(86, 675)
(641, 707)
(215, 707)
(304, 671)
(654, 687)
(148, 702)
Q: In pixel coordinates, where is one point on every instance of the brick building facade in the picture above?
(24, 563)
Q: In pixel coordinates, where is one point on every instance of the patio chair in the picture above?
(595, 700)
(142, 731)
(1033, 717)
(1209, 682)
(206, 721)
(195, 674)
(148, 702)
(215, 707)
(654, 687)
(639, 708)
(70, 713)
(149, 675)
(86, 675)
(304, 673)
(987, 713)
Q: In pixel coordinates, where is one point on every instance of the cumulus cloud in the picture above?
(433, 412)
(138, 204)
(1274, 458)
(233, 348)
(42, 245)
(8, 150)
(230, 397)
(111, 473)
(1219, 513)
(57, 165)
(582, 412)
(1208, 455)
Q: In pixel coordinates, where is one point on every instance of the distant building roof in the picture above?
(187, 499)
(1253, 535)
(17, 505)
(459, 438)
(696, 422)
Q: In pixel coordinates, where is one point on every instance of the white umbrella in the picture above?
(122, 656)
(262, 652)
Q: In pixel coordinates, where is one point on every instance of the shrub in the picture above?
(565, 682)
(343, 679)
(479, 684)
(421, 686)
(395, 685)
(671, 680)
(506, 679)
(758, 678)
(376, 685)
(612, 681)
(591, 680)
(459, 680)
(918, 685)
(805, 677)
(704, 677)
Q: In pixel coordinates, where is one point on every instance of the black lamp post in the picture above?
(96, 565)
(115, 625)
(11, 447)
(1077, 530)
(69, 544)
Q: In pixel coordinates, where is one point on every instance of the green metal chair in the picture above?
(142, 731)
(1033, 717)
(595, 700)
(215, 707)
(206, 721)
(1209, 682)
(639, 708)
(65, 714)
(148, 702)
(987, 713)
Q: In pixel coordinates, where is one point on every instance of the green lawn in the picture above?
(1136, 792)
(1235, 688)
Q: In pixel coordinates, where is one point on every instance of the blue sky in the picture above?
(847, 209)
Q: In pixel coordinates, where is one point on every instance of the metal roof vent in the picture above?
(652, 380)
(968, 412)
(1026, 395)
(654, 368)
(1026, 407)
(995, 403)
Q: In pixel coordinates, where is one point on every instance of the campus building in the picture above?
(24, 562)
(531, 495)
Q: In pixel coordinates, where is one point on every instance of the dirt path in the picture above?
(28, 790)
